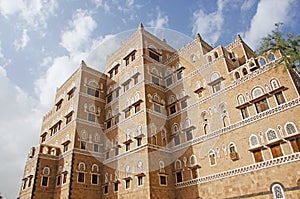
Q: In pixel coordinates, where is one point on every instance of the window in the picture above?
(295, 144)
(105, 189)
(127, 146)
(153, 56)
(169, 81)
(59, 105)
(157, 108)
(172, 109)
(194, 172)
(277, 191)
(93, 92)
(276, 150)
(107, 155)
(176, 140)
(45, 181)
(183, 103)
(127, 113)
(212, 158)
(279, 98)
(116, 187)
(137, 107)
(216, 87)
(126, 87)
(163, 180)
(237, 75)
(258, 156)
(29, 181)
(135, 79)
(274, 83)
(140, 181)
(96, 148)
(94, 179)
(108, 124)
(127, 183)
(139, 141)
(244, 71)
(65, 178)
(232, 152)
(179, 75)
(253, 141)
(127, 61)
(69, 118)
(117, 93)
(189, 135)
(58, 180)
(290, 128)
(109, 98)
(91, 117)
(83, 145)
(117, 151)
(155, 80)
(271, 135)
(205, 129)
(262, 61)
(55, 128)
(117, 119)
(261, 105)
(71, 94)
(43, 138)
(244, 112)
(271, 57)
(132, 56)
(178, 177)
(66, 147)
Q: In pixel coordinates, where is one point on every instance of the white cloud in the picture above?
(267, 14)
(209, 25)
(19, 131)
(22, 43)
(247, 4)
(161, 21)
(77, 36)
(34, 12)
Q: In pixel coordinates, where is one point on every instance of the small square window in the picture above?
(172, 109)
(105, 189)
(155, 80)
(163, 180)
(137, 108)
(183, 103)
(94, 179)
(169, 81)
(139, 141)
(96, 148)
(91, 117)
(179, 75)
(117, 118)
(108, 124)
(127, 183)
(109, 98)
(69, 118)
(116, 187)
(107, 155)
(45, 181)
(93, 92)
(80, 177)
(127, 113)
(127, 146)
(66, 147)
(83, 145)
(157, 108)
(140, 181)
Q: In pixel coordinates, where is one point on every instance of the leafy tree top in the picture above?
(289, 46)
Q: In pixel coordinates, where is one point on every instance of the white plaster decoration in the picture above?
(241, 170)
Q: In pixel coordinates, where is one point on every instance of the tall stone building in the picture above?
(198, 122)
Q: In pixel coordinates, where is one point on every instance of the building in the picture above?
(198, 122)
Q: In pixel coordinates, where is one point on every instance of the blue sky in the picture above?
(42, 42)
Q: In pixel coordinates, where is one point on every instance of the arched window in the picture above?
(271, 57)
(290, 128)
(244, 71)
(225, 121)
(177, 164)
(187, 123)
(277, 191)
(253, 140)
(172, 99)
(212, 157)
(232, 148)
(271, 135)
(241, 99)
(46, 171)
(216, 55)
(257, 92)
(175, 128)
(81, 166)
(193, 160)
(161, 166)
(95, 168)
(274, 83)
(137, 96)
(262, 61)
(209, 58)
(237, 75)
(214, 76)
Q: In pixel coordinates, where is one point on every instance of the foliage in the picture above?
(288, 45)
